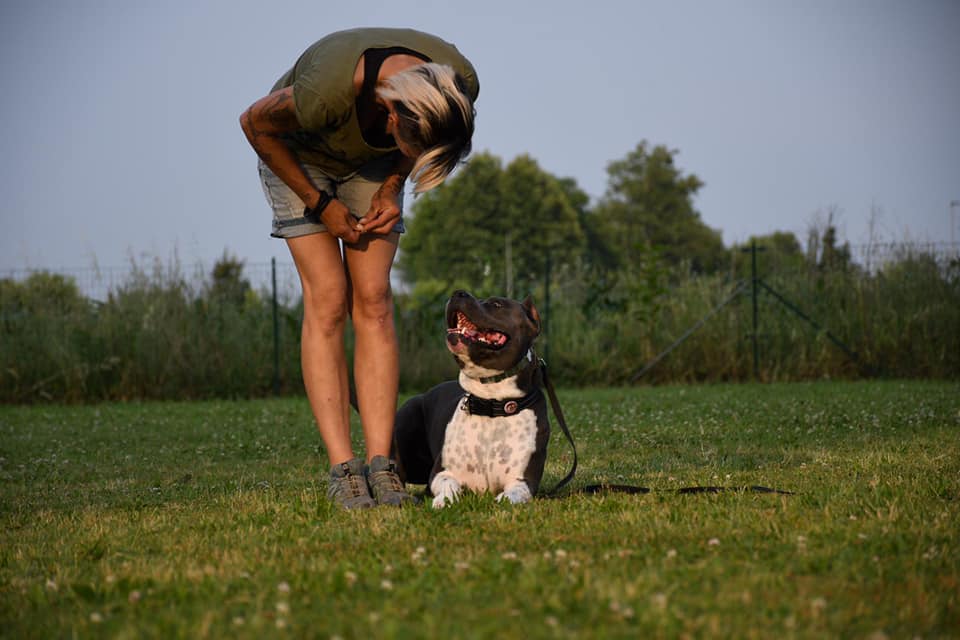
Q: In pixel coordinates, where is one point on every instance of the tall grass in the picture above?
(159, 335)
(164, 334)
(901, 321)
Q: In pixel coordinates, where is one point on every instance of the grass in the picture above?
(208, 520)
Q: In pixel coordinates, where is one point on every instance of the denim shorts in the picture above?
(354, 191)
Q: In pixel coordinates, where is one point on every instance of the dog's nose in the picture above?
(460, 293)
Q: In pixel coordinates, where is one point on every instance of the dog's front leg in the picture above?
(516, 493)
(445, 489)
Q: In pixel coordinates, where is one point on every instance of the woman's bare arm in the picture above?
(264, 123)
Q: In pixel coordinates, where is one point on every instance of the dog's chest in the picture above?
(488, 454)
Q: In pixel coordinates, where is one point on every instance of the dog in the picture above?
(487, 431)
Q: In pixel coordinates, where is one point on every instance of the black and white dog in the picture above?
(488, 431)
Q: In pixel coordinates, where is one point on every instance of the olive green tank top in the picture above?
(325, 98)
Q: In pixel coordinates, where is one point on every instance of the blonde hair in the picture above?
(436, 118)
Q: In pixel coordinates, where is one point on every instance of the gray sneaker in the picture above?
(348, 487)
(385, 485)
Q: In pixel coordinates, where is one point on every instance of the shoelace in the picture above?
(356, 484)
(390, 478)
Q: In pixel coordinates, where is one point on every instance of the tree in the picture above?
(227, 282)
(779, 251)
(544, 220)
(448, 236)
(42, 292)
(488, 225)
(649, 203)
(823, 249)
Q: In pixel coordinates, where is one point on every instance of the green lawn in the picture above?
(209, 520)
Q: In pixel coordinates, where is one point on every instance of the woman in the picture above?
(337, 137)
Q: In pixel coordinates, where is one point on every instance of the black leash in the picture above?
(558, 414)
(620, 488)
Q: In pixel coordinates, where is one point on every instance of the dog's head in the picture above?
(489, 336)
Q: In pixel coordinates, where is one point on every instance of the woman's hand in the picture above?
(383, 214)
(336, 217)
(384, 209)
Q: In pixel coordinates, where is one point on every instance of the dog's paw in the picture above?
(516, 493)
(446, 490)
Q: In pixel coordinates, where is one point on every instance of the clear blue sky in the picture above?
(120, 134)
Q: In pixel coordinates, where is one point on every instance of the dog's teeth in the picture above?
(470, 331)
(463, 323)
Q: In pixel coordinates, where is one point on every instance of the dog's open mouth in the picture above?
(468, 332)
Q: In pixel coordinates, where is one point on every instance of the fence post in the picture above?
(756, 323)
(276, 329)
(546, 305)
(508, 258)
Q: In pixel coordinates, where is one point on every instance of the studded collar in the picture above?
(500, 408)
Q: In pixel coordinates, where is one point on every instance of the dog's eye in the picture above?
(496, 304)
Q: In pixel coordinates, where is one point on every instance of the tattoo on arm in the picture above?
(254, 134)
(392, 185)
(281, 112)
(270, 116)
(267, 118)
(264, 122)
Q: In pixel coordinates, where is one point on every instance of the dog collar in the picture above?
(525, 362)
(500, 408)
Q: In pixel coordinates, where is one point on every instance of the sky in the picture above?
(120, 134)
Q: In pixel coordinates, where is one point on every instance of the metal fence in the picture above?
(98, 282)
(873, 257)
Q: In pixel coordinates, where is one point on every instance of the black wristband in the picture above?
(314, 214)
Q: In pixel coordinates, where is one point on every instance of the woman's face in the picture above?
(407, 148)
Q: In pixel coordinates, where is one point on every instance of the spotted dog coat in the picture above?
(448, 439)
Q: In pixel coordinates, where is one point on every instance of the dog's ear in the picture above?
(532, 313)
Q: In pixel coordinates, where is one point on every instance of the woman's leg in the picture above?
(376, 357)
(322, 354)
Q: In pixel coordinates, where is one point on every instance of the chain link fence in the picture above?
(98, 283)
(155, 330)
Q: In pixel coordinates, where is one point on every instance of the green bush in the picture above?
(49, 339)
(156, 336)
(164, 335)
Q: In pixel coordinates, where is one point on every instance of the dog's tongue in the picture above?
(495, 338)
